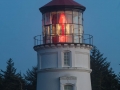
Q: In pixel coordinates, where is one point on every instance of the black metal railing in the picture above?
(56, 39)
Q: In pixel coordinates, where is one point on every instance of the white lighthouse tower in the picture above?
(63, 49)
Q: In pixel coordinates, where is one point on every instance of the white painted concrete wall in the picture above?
(48, 60)
(50, 80)
(51, 67)
(53, 57)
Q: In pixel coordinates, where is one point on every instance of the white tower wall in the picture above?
(50, 79)
(53, 75)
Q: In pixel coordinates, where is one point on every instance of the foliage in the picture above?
(102, 76)
(119, 80)
(1, 81)
(31, 79)
(11, 79)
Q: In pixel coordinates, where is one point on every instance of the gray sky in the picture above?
(20, 21)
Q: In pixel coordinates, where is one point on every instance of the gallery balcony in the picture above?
(75, 39)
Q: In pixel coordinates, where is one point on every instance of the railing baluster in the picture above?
(89, 39)
(34, 42)
(40, 39)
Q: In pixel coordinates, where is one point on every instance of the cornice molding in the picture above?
(78, 69)
(68, 78)
(83, 46)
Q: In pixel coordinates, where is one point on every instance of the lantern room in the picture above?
(62, 22)
(62, 26)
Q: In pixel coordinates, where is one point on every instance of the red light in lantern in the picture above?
(62, 38)
(62, 18)
(62, 21)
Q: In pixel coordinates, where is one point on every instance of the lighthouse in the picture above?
(63, 49)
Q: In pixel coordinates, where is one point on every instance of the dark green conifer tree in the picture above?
(1, 81)
(119, 81)
(31, 79)
(102, 76)
(11, 79)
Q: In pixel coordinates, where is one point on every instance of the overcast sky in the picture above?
(20, 21)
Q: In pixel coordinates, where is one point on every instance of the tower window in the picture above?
(68, 87)
(67, 58)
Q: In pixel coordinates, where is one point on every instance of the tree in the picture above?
(11, 79)
(31, 79)
(1, 81)
(119, 81)
(102, 76)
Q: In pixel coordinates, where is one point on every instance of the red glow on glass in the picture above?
(62, 38)
(62, 21)
(62, 18)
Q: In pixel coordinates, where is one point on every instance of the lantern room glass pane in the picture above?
(69, 38)
(54, 17)
(81, 29)
(47, 18)
(75, 17)
(50, 29)
(58, 29)
(80, 18)
(54, 29)
(68, 15)
(76, 38)
(47, 30)
(75, 29)
(69, 29)
(47, 39)
(61, 18)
